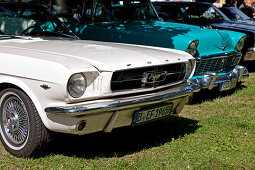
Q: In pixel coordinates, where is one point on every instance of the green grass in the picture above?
(215, 132)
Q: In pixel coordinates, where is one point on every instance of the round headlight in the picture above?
(240, 44)
(192, 49)
(76, 85)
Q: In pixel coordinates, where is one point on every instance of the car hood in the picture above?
(179, 36)
(246, 22)
(237, 25)
(80, 55)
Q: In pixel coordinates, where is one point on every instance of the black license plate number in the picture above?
(152, 114)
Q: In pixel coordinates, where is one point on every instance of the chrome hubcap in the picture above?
(15, 120)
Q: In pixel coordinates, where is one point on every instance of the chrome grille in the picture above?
(134, 78)
(217, 63)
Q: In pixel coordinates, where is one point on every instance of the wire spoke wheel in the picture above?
(22, 131)
(15, 120)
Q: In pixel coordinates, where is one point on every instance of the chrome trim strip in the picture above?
(122, 103)
(250, 52)
(221, 54)
(251, 49)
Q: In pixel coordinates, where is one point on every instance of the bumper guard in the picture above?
(211, 80)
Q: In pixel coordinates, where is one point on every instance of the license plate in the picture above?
(228, 85)
(152, 114)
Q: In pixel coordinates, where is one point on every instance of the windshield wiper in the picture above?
(70, 35)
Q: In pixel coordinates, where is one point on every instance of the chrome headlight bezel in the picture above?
(192, 49)
(190, 68)
(76, 85)
(241, 43)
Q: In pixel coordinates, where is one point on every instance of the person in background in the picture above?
(253, 8)
(253, 5)
(241, 5)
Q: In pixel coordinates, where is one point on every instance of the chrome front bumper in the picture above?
(106, 114)
(211, 80)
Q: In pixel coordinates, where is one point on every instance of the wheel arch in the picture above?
(6, 83)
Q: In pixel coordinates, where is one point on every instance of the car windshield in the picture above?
(103, 10)
(170, 13)
(203, 13)
(33, 20)
(234, 14)
(125, 10)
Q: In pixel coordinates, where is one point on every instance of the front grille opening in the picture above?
(216, 63)
(133, 79)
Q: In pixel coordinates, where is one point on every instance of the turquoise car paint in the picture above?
(161, 34)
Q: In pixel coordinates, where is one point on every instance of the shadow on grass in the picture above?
(210, 95)
(250, 65)
(123, 141)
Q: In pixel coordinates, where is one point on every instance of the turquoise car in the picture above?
(217, 52)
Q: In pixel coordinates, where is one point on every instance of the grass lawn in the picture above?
(215, 132)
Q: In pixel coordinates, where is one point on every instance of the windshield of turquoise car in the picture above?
(71, 11)
(201, 13)
(234, 14)
(169, 13)
(28, 20)
(124, 10)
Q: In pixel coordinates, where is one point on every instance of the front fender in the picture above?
(232, 36)
(41, 98)
(182, 42)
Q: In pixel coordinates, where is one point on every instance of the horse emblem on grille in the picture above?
(152, 77)
(222, 63)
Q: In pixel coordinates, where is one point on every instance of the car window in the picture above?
(201, 13)
(71, 11)
(124, 10)
(229, 14)
(169, 13)
(28, 20)
(5, 12)
(234, 14)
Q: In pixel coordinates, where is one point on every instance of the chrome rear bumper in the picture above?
(211, 80)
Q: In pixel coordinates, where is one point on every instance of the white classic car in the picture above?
(81, 87)
(58, 84)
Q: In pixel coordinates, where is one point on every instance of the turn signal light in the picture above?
(81, 125)
(237, 60)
